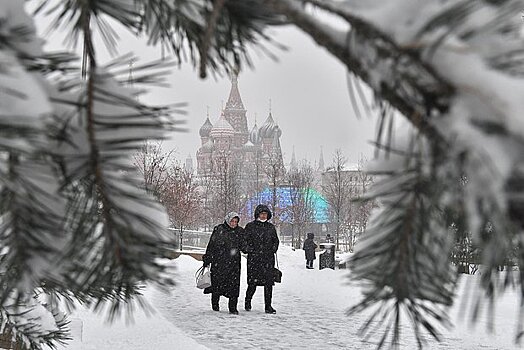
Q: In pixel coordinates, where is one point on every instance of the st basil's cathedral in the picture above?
(230, 139)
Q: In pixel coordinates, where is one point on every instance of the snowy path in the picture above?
(289, 329)
(310, 308)
(296, 324)
(91, 331)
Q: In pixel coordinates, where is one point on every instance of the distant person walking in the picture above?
(223, 253)
(309, 248)
(329, 239)
(261, 243)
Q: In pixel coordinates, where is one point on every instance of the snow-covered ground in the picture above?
(153, 332)
(310, 306)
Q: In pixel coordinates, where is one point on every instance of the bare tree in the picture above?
(205, 188)
(225, 185)
(255, 183)
(154, 165)
(363, 205)
(273, 167)
(182, 199)
(300, 180)
(259, 171)
(337, 188)
(354, 218)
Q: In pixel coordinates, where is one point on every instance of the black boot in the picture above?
(268, 294)
(309, 264)
(215, 300)
(233, 306)
(270, 310)
(249, 295)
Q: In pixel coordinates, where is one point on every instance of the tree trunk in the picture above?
(181, 236)
(293, 235)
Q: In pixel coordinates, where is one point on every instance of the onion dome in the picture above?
(254, 135)
(208, 146)
(270, 129)
(222, 128)
(205, 129)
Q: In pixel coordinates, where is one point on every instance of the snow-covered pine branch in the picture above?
(454, 70)
(75, 220)
(31, 208)
(396, 75)
(34, 323)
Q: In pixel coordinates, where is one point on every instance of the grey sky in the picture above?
(307, 88)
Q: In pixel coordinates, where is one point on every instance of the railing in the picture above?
(197, 240)
(190, 239)
(343, 245)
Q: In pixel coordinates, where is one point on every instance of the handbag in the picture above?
(277, 274)
(203, 277)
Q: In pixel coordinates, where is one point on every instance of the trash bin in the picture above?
(327, 258)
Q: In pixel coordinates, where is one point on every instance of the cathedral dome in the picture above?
(205, 129)
(270, 129)
(254, 135)
(222, 128)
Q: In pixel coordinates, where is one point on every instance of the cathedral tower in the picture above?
(235, 113)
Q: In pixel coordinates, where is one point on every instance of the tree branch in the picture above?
(417, 92)
(208, 35)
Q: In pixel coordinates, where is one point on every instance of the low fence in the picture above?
(343, 245)
(190, 239)
(198, 240)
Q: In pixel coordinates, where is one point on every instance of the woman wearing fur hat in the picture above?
(260, 243)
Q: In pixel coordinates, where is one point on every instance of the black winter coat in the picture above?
(261, 243)
(309, 248)
(223, 253)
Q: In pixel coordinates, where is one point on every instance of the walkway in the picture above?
(310, 308)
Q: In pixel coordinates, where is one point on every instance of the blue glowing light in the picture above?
(284, 203)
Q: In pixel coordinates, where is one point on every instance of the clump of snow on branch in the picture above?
(70, 194)
(467, 58)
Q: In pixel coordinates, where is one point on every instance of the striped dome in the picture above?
(222, 128)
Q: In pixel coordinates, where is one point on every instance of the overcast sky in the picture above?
(307, 88)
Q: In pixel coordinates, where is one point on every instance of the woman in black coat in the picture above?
(260, 244)
(309, 248)
(223, 253)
